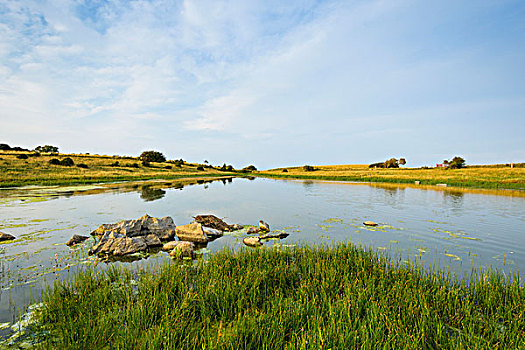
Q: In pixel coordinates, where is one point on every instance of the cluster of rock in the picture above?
(148, 233)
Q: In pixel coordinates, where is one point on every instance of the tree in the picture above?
(152, 156)
(456, 163)
(402, 161)
(47, 149)
(392, 163)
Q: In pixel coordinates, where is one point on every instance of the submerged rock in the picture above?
(279, 235)
(164, 227)
(369, 223)
(6, 237)
(264, 226)
(191, 233)
(252, 230)
(213, 222)
(184, 249)
(252, 241)
(76, 239)
(236, 227)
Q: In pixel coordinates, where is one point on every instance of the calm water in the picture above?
(452, 229)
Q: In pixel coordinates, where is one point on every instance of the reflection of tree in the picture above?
(149, 194)
(454, 198)
(308, 185)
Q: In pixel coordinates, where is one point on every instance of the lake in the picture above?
(452, 229)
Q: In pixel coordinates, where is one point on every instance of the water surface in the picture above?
(452, 229)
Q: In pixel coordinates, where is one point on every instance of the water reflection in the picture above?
(149, 194)
(453, 199)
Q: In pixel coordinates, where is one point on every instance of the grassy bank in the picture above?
(302, 298)
(490, 177)
(38, 171)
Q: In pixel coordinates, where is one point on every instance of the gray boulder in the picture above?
(212, 233)
(117, 244)
(164, 227)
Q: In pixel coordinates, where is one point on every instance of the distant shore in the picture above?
(495, 177)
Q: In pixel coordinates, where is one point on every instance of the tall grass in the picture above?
(338, 297)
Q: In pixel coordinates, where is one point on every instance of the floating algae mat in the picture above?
(459, 232)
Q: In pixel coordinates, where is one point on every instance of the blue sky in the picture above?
(270, 83)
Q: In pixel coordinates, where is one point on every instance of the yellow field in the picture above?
(481, 177)
(37, 170)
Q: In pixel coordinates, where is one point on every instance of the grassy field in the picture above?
(38, 171)
(491, 177)
(340, 297)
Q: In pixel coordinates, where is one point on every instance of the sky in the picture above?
(269, 83)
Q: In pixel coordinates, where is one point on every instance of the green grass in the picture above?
(338, 297)
(16, 172)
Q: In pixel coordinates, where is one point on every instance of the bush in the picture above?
(54, 161)
(285, 170)
(134, 165)
(377, 165)
(392, 163)
(250, 168)
(152, 156)
(167, 167)
(67, 162)
(456, 163)
(47, 149)
(116, 163)
(82, 165)
(308, 168)
(22, 156)
(200, 168)
(35, 154)
(146, 164)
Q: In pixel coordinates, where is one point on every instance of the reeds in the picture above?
(338, 297)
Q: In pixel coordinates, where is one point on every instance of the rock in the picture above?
(279, 235)
(114, 243)
(213, 222)
(369, 223)
(191, 233)
(264, 226)
(252, 230)
(6, 237)
(212, 233)
(252, 241)
(183, 248)
(164, 227)
(76, 239)
(236, 227)
(170, 246)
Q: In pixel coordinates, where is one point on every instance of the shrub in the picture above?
(167, 167)
(82, 165)
(250, 168)
(22, 156)
(116, 163)
(200, 168)
(146, 164)
(54, 161)
(4, 147)
(308, 168)
(456, 163)
(285, 170)
(47, 149)
(134, 165)
(392, 163)
(67, 162)
(35, 154)
(377, 165)
(152, 156)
